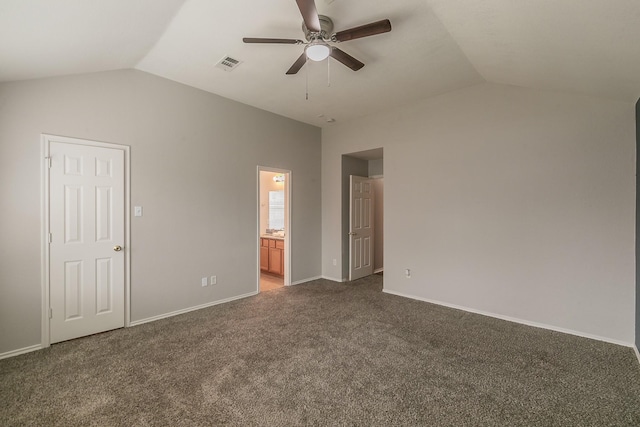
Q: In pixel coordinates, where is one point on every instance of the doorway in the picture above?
(85, 241)
(274, 228)
(368, 165)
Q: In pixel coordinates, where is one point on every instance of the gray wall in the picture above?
(506, 201)
(376, 167)
(194, 160)
(378, 220)
(637, 226)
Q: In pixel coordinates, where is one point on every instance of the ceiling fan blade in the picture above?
(346, 59)
(372, 29)
(298, 64)
(263, 40)
(309, 14)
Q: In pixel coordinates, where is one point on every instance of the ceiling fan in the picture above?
(318, 33)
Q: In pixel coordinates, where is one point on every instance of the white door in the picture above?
(360, 227)
(86, 221)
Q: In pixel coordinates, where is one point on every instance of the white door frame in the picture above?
(287, 222)
(45, 141)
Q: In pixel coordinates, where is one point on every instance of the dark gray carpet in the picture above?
(324, 353)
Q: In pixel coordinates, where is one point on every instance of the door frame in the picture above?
(287, 221)
(45, 141)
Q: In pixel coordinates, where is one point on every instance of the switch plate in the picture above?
(137, 211)
(214, 280)
(335, 261)
(204, 282)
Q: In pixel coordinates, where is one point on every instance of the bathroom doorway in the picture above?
(273, 228)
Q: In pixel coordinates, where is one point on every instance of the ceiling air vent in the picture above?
(228, 63)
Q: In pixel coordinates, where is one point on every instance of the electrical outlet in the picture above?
(214, 280)
(204, 282)
(407, 273)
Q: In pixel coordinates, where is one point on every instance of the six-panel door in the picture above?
(87, 238)
(360, 227)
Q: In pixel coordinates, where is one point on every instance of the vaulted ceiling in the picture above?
(589, 47)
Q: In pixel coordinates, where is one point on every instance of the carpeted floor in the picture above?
(324, 353)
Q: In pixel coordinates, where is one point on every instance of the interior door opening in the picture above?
(273, 228)
(364, 247)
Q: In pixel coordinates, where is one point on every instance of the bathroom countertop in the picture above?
(270, 236)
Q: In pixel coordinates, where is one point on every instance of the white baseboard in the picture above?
(333, 279)
(635, 347)
(379, 270)
(20, 351)
(187, 310)
(308, 279)
(514, 319)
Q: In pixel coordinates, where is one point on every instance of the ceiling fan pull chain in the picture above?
(328, 72)
(306, 73)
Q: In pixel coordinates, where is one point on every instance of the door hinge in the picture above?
(50, 313)
(50, 238)
(48, 159)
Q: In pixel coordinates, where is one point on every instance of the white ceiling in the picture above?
(581, 46)
(41, 38)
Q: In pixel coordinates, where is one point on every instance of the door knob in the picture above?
(352, 233)
(117, 248)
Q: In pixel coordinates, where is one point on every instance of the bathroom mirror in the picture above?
(276, 210)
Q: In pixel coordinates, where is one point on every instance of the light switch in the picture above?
(137, 211)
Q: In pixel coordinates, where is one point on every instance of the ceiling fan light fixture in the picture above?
(317, 50)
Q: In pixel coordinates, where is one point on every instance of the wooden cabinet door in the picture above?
(275, 261)
(264, 257)
(280, 247)
(281, 254)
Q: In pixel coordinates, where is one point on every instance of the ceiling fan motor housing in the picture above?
(326, 30)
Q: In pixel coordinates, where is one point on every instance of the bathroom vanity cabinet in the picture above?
(272, 255)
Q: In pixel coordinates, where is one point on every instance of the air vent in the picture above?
(228, 63)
